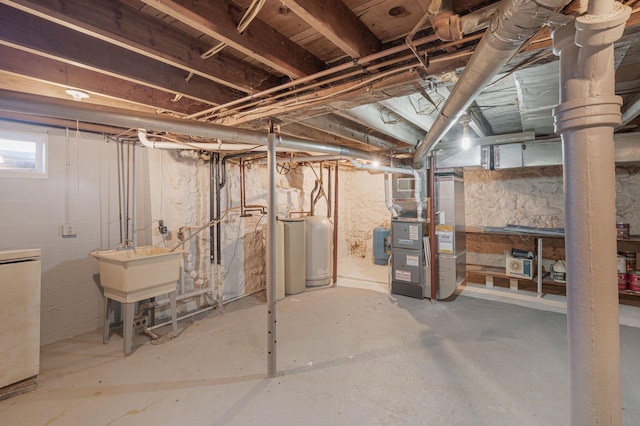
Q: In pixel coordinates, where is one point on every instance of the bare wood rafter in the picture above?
(35, 35)
(66, 75)
(339, 24)
(219, 19)
(126, 27)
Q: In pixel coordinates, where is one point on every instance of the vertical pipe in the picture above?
(272, 364)
(539, 284)
(119, 190)
(134, 237)
(335, 228)
(218, 234)
(242, 213)
(127, 196)
(585, 118)
(432, 229)
(329, 195)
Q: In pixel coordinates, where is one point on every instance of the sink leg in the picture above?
(107, 315)
(127, 327)
(174, 314)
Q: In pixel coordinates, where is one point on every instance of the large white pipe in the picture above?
(399, 170)
(585, 118)
(387, 199)
(513, 24)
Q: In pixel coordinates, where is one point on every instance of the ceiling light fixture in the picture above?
(465, 142)
(77, 95)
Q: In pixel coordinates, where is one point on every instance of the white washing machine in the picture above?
(19, 315)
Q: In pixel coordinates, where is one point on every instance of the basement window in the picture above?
(23, 155)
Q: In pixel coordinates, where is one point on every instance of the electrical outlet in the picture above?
(161, 228)
(68, 231)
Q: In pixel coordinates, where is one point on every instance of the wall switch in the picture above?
(68, 231)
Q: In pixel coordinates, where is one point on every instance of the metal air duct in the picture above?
(514, 22)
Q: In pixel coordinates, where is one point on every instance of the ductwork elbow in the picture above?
(446, 25)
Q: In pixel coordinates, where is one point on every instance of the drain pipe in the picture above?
(387, 169)
(514, 23)
(587, 114)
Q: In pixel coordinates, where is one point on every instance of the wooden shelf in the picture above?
(499, 272)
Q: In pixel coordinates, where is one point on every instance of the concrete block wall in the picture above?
(33, 209)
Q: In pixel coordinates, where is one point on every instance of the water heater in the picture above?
(319, 248)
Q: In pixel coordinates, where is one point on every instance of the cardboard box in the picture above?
(521, 268)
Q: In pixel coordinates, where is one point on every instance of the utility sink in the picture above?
(140, 273)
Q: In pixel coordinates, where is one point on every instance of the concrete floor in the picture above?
(346, 356)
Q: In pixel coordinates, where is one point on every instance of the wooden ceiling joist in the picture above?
(219, 19)
(123, 26)
(66, 75)
(29, 33)
(339, 24)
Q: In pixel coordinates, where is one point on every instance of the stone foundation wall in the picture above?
(362, 208)
(532, 197)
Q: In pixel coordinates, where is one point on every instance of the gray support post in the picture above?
(272, 364)
(586, 116)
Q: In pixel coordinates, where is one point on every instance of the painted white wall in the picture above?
(32, 211)
(179, 196)
(361, 209)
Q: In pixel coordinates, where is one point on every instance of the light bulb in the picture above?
(465, 143)
(77, 95)
(375, 163)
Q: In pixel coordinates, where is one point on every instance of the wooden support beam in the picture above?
(119, 24)
(219, 19)
(29, 33)
(379, 118)
(334, 20)
(345, 129)
(66, 75)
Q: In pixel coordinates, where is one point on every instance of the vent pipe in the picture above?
(514, 22)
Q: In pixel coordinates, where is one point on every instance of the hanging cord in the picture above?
(251, 14)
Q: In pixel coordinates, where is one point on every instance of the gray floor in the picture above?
(347, 356)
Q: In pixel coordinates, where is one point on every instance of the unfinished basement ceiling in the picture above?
(339, 71)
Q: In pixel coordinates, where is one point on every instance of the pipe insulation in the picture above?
(587, 114)
(70, 110)
(514, 23)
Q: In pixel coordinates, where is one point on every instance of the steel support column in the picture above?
(586, 116)
(272, 360)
